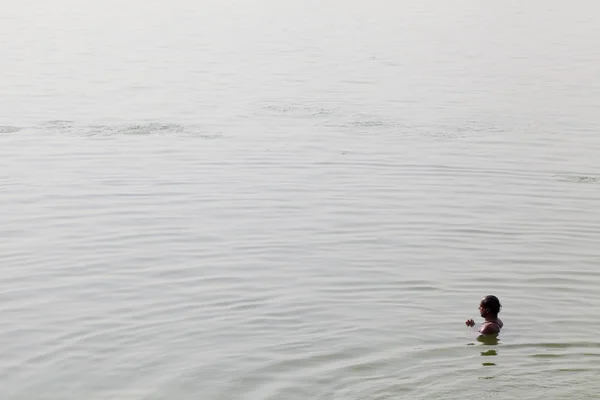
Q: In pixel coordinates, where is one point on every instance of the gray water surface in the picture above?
(298, 200)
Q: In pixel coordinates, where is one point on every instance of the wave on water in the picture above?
(297, 110)
(149, 129)
(70, 128)
(9, 129)
(578, 178)
(397, 124)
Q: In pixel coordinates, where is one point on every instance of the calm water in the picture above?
(298, 200)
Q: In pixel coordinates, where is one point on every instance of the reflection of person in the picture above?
(489, 308)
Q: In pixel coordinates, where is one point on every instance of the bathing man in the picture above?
(489, 308)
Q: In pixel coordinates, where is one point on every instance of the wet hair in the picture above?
(492, 304)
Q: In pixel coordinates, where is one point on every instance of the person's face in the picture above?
(482, 310)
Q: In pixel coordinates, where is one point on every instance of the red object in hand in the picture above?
(470, 322)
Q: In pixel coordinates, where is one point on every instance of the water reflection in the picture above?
(489, 353)
(489, 340)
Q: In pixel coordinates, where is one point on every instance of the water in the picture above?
(276, 200)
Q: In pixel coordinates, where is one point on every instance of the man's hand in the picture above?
(470, 322)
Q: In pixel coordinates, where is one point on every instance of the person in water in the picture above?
(489, 308)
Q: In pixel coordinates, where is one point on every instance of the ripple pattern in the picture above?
(282, 200)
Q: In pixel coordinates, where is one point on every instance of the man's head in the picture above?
(490, 306)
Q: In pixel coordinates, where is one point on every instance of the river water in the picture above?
(298, 200)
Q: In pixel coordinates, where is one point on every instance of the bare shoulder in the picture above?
(490, 328)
